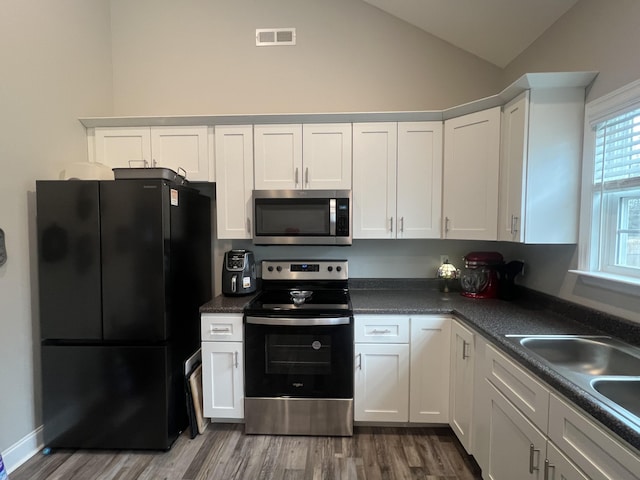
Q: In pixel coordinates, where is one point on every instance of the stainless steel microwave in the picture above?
(302, 217)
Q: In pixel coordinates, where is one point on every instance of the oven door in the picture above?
(298, 357)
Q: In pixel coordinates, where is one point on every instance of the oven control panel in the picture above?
(305, 270)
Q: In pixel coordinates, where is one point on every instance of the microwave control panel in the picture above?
(342, 217)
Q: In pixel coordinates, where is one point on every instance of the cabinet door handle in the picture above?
(514, 224)
(249, 226)
(465, 355)
(306, 175)
(532, 451)
(401, 224)
(446, 226)
(359, 367)
(235, 359)
(547, 467)
(296, 177)
(391, 224)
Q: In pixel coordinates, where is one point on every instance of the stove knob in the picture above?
(279, 268)
(338, 269)
(330, 268)
(270, 269)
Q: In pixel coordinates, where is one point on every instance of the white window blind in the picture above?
(617, 152)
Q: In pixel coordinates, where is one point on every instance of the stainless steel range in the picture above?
(299, 350)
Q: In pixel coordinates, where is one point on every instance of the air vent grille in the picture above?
(275, 36)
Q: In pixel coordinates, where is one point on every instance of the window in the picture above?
(610, 221)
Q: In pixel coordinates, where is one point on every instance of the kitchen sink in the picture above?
(589, 355)
(605, 367)
(623, 392)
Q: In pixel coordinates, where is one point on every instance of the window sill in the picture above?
(617, 283)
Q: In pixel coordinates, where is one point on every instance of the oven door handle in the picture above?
(298, 322)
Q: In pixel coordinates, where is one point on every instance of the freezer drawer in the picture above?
(111, 397)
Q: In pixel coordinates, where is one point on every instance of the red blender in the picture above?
(480, 276)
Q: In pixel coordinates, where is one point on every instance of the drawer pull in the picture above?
(380, 332)
(215, 330)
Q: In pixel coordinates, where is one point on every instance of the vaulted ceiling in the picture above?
(494, 30)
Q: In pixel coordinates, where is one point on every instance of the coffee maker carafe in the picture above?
(479, 278)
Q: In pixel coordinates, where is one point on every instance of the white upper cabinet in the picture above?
(309, 156)
(177, 148)
(234, 180)
(470, 184)
(419, 180)
(278, 156)
(540, 166)
(326, 156)
(374, 179)
(397, 179)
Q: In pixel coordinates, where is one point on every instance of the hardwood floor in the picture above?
(224, 452)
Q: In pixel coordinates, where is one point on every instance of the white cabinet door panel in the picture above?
(123, 147)
(419, 180)
(181, 148)
(470, 180)
(234, 180)
(374, 179)
(278, 157)
(429, 378)
(326, 153)
(381, 382)
(223, 379)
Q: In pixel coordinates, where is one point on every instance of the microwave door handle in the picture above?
(332, 217)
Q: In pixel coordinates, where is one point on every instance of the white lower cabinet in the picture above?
(429, 378)
(401, 368)
(516, 447)
(222, 366)
(381, 392)
(381, 381)
(524, 431)
(558, 467)
(592, 449)
(462, 383)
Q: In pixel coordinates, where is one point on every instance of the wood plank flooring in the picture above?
(224, 452)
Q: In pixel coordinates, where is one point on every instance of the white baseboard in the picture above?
(23, 450)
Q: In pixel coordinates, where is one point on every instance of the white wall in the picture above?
(199, 57)
(593, 35)
(55, 62)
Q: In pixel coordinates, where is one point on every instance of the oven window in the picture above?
(298, 354)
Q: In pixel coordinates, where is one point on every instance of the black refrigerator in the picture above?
(123, 266)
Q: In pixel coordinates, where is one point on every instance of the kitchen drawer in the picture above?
(524, 391)
(590, 447)
(221, 327)
(382, 328)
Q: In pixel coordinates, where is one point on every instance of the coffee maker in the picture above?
(479, 278)
(238, 273)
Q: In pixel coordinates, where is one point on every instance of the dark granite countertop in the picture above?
(531, 313)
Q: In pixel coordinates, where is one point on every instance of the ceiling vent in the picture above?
(275, 36)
